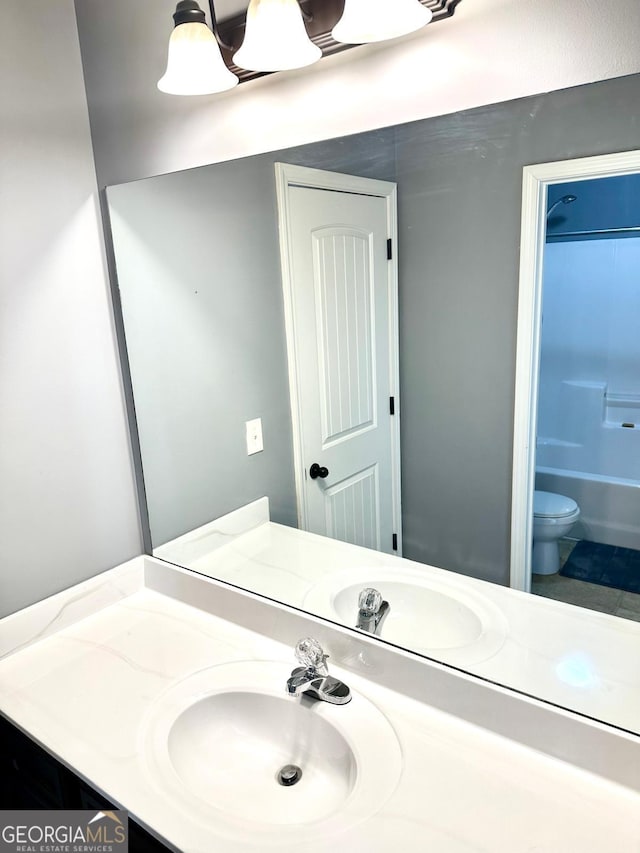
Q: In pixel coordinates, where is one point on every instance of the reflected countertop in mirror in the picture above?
(572, 657)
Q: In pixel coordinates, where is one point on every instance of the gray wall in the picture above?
(459, 183)
(198, 263)
(66, 496)
(67, 501)
(202, 305)
(490, 51)
(459, 180)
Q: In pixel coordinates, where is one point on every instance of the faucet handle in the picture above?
(369, 601)
(311, 655)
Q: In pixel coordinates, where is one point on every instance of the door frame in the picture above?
(287, 176)
(536, 180)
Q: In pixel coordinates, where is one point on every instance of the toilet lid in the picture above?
(550, 505)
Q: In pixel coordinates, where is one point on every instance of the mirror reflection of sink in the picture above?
(428, 615)
(218, 741)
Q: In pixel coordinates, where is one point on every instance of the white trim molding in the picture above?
(536, 180)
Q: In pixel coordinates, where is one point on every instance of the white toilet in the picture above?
(553, 517)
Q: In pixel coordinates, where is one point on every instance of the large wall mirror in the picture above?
(199, 264)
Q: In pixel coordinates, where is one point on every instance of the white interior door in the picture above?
(340, 289)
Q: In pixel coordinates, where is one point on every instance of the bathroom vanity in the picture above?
(31, 778)
(139, 680)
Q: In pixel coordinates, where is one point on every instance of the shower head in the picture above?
(566, 199)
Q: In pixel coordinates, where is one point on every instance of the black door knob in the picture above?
(318, 471)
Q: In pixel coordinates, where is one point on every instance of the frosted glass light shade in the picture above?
(365, 21)
(195, 65)
(275, 38)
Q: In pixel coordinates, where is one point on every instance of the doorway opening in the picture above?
(577, 412)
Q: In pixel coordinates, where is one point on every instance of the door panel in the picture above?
(344, 328)
(342, 343)
(351, 508)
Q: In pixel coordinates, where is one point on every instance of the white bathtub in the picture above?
(608, 450)
(593, 458)
(609, 506)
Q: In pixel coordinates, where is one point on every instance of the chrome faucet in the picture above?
(372, 611)
(312, 678)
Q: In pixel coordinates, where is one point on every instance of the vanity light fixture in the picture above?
(365, 21)
(280, 35)
(195, 65)
(275, 38)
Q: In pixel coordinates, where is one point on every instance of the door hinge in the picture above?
(392, 405)
(395, 541)
(389, 249)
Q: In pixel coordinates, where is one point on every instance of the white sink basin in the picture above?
(215, 744)
(430, 616)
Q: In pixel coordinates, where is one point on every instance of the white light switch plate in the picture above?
(254, 436)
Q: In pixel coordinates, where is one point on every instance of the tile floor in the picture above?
(602, 598)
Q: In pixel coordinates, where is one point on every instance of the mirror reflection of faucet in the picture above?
(312, 678)
(372, 611)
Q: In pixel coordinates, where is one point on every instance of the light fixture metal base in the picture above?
(320, 17)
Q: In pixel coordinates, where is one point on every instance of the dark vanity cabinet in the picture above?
(30, 778)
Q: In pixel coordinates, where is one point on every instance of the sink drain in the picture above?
(289, 775)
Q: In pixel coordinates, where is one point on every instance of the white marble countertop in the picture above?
(81, 683)
(573, 657)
